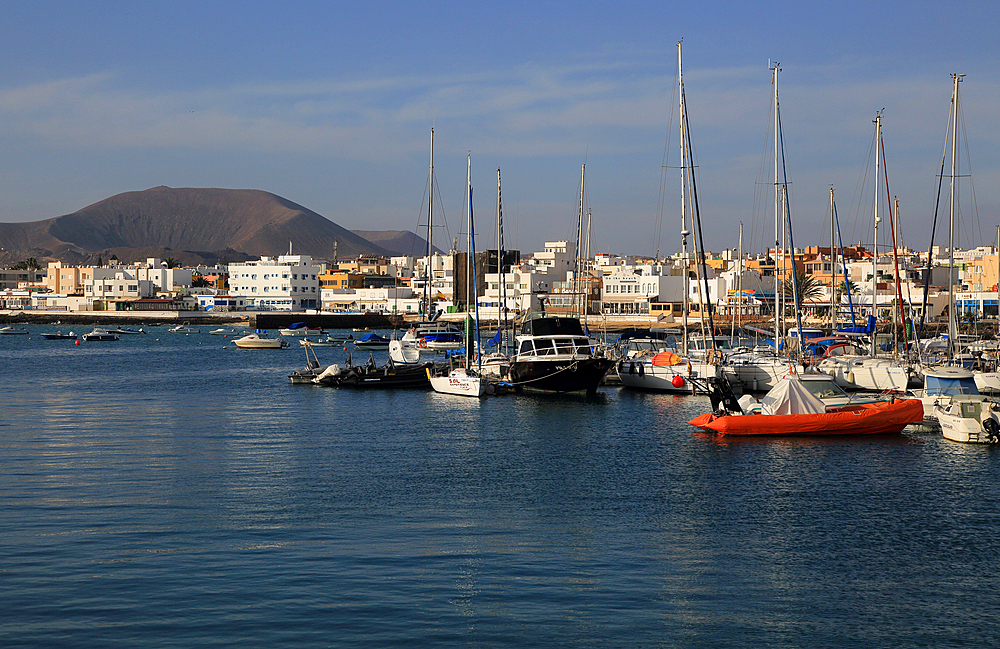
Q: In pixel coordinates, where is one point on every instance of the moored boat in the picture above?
(372, 341)
(555, 355)
(260, 341)
(59, 336)
(791, 409)
(99, 335)
(11, 330)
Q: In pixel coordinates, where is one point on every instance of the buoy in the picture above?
(77, 342)
(677, 381)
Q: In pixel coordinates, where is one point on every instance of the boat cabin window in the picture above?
(564, 345)
(526, 347)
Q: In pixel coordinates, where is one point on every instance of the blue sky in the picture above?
(330, 105)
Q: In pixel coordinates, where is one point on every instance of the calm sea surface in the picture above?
(168, 491)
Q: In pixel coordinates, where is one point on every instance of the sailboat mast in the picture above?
(874, 312)
(430, 235)
(471, 275)
(952, 320)
(502, 293)
(778, 285)
(579, 238)
(684, 231)
(833, 268)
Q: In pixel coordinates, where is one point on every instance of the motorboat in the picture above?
(182, 329)
(664, 371)
(854, 369)
(59, 336)
(329, 341)
(259, 341)
(11, 330)
(127, 331)
(971, 418)
(370, 375)
(224, 331)
(312, 369)
(791, 409)
(941, 384)
(301, 329)
(99, 335)
(758, 369)
(372, 341)
(555, 355)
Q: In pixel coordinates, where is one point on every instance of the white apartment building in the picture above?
(110, 284)
(288, 283)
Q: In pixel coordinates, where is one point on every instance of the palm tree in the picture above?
(170, 262)
(844, 288)
(809, 287)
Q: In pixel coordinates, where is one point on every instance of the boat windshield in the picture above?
(823, 387)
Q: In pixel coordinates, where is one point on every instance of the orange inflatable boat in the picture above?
(879, 418)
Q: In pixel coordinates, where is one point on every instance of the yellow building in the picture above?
(67, 280)
(341, 279)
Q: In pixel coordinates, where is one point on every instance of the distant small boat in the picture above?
(99, 335)
(258, 341)
(182, 329)
(329, 341)
(300, 329)
(11, 330)
(58, 336)
(223, 331)
(372, 341)
(126, 330)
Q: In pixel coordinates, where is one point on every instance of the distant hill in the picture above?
(188, 224)
(401, 243)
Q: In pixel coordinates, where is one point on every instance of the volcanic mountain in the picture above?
(166, 221)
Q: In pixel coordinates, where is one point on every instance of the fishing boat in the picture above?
(11, 330)
(372, 341)
(59, 336)
(102, 335)
(791, 409)
(260, 341)
(463, 380)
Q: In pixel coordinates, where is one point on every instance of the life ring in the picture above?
(422, 342)
(992, 429)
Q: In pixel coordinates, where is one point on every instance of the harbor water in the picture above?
(170, 490)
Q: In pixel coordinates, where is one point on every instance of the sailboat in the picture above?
(762, 367)
(667, 371)
(430, 336)
(463, 380)
(964, 417)
(869, 371)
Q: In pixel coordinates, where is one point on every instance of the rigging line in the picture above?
(788, 214)
(930, 247)
(697, 215)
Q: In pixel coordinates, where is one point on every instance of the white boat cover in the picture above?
(790, 397)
